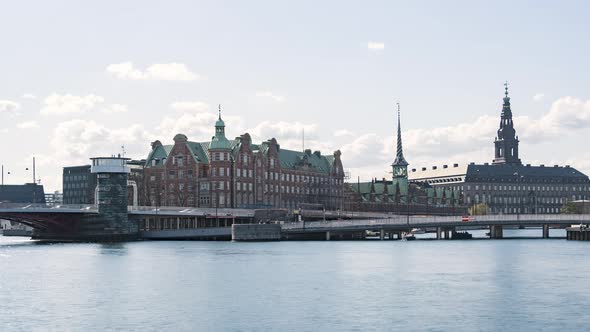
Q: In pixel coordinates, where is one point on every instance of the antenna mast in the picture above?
(303, 139)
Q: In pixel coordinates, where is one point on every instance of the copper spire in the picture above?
(399, 157)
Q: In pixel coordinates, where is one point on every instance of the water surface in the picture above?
(479, 285)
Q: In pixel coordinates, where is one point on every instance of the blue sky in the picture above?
(83, 78)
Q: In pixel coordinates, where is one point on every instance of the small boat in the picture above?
(408, 237)
(417, 231)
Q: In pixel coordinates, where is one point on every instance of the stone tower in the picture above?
(112, 174)
(506, 143)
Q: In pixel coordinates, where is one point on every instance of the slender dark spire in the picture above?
(399, 157)
(219, 111)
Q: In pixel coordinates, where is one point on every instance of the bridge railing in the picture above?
(442, 220)
(220, 212)
(38, 206)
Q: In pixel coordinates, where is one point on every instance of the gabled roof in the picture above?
(292, 159)
(289, 159)
(158, 154)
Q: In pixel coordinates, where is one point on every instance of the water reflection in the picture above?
(114, 249)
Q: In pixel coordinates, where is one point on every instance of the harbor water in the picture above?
(471, 285)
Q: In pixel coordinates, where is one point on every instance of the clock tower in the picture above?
(400, 165)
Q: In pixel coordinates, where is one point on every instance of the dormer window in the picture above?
(178, 160)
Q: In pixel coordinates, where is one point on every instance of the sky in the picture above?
(82, 79)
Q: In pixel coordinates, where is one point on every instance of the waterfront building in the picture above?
(399, 194)
(54, 198)
(507, 185)
(26, 193)
(78, 185)
(237, 173)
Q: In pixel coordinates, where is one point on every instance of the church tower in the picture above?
(400, 165)
(506, 142)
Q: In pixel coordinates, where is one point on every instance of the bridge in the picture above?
(84, 222)
(65, 221)
(442, 225)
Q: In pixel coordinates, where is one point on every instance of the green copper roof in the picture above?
(288, 159)
(220, 143)
(159, 154)
(291, 159)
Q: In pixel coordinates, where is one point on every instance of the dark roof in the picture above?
(26, 193)
(506, 170)
(289, 159)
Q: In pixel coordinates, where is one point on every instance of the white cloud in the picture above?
(269, 94)
(77, 140)
(9, 107)
(115, 108)
(196, 126)
(375, 46)
(365, 150)
(283, 130)
(28, 125)
(157, 72)
(56, 104)
(197, 106)
(343, 133)
(538, 97)
(28, 96)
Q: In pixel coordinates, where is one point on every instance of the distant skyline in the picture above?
(84, 79)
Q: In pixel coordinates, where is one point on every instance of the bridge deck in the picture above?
(405, 222)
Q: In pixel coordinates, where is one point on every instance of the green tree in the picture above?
(569, 208)
(480, 209)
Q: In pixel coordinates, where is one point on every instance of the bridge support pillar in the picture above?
(328, 236)
(496, 232)
(447, 234)
(545, 231)
(382, 235)
(438, 233)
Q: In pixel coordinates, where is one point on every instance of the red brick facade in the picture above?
(239, 174)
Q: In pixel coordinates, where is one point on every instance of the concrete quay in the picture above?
(255, 232)
(579, 233)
